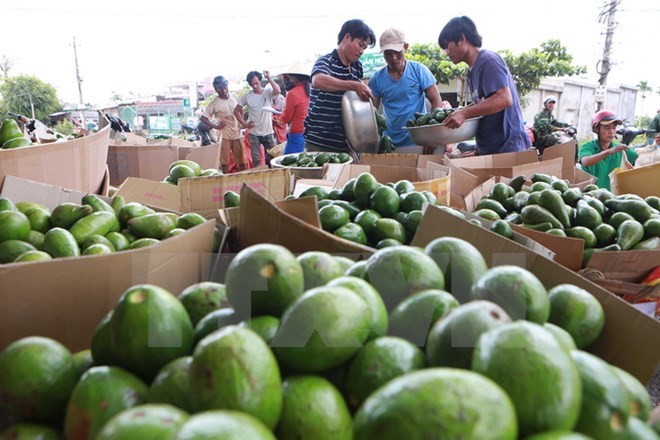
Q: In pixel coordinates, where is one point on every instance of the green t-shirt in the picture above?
(601, 170)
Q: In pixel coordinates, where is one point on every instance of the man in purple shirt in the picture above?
(494, 94)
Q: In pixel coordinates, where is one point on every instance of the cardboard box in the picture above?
(262, 221)
(518, 237)
(411, 160)
(205, 195)
(78, 164)
(152, 160)
(126, 138)
(630, 266)
(643, 181)
(437, 181)
(508, 164)
(570, 171)
(568, 251)
(629, 338)
(66, 298)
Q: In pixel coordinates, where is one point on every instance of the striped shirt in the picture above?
(323, 125)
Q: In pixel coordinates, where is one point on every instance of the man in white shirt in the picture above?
(260, 121)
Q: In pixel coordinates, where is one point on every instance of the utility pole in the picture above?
(79, 80)
(603, 67)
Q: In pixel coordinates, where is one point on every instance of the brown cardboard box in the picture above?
(629, 339)
(568, 251)
(504, 164)
(66, 298)
(205, 195)
(643, 181)
(570, 172)
(401, 159)
(152, 160)
(630, 266)
(77, 164)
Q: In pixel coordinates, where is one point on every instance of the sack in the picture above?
(625, 165)
(647, 156)
(277, 150)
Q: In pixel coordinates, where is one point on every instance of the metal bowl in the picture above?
(302, 172)
(359, 119)
(439, 134)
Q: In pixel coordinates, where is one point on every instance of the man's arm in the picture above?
(496, 102)
(376, 102)
(327, 83)
(273, 84)
(238, 112)
(433, 95)
(593, 159)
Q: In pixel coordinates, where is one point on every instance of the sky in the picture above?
(142, 47)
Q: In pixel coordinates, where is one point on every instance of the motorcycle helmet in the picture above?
(549, 98)
(604, 117)
(220, 82)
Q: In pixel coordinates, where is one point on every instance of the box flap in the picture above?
(517, 237)
(152, 193)
(568, 251)
(566, 151)
(263, 222)
(18, 189)
(304, 209)
(76, 164)
(205, 195)
(128, 138)
(643, 181)
(207, 157)
(301, 185)
(631, 265)
(147, 161)
(339, 174)
(629, 338)
(391, 159)
(66, 298)
(552, 167)
(503, 160)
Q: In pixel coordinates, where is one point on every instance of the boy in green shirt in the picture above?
(601, 156)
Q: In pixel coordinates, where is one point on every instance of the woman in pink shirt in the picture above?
(297, 84)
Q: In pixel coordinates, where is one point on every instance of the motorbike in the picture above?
(200, 132)
(629, 133)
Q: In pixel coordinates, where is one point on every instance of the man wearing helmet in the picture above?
(601, 156)
(545, 125)
(219, 114)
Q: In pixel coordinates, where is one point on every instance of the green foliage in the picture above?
(65, 127)
(527, 68)
(435, 59)
(644, 88)
(16, 92)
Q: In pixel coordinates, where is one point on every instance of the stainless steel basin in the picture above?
(359, 119)
(439, 134)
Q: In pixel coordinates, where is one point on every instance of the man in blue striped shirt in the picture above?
(332, 75)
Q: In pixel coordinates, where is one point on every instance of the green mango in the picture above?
(9, 130)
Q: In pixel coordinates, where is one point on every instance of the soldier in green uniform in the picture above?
(545, 125)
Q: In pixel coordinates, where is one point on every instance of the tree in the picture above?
(21, 93)
(5, 65)
(644, 87)
(527, 68)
